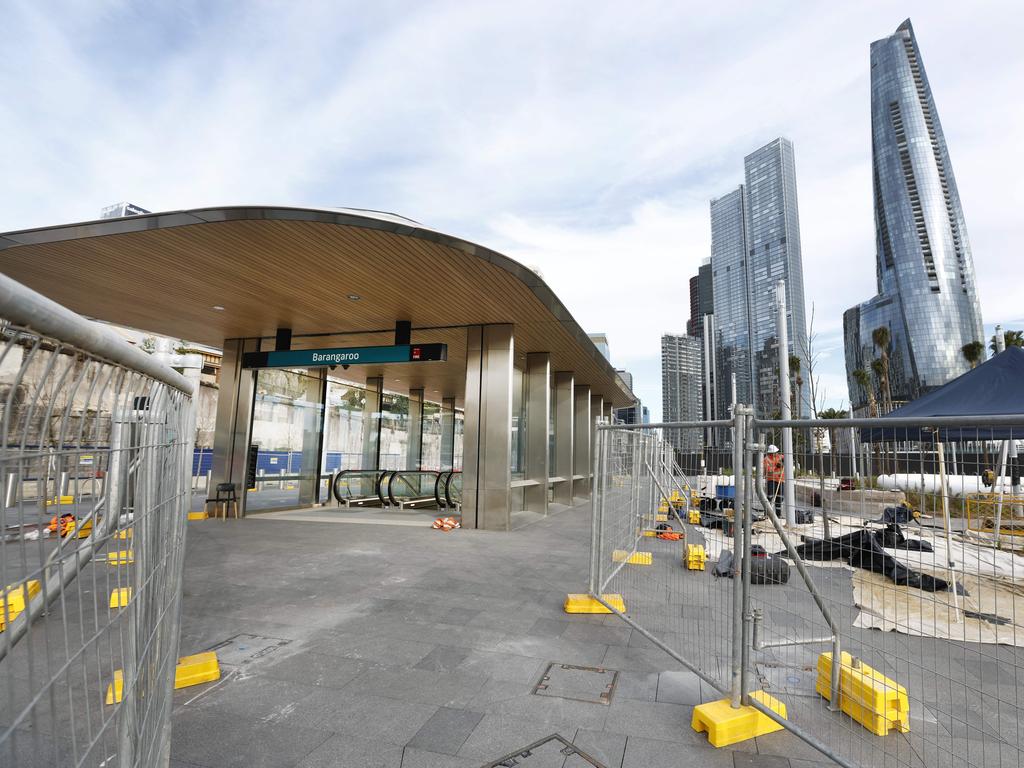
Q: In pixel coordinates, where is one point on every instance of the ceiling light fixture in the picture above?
(354, 297)
(217, 308)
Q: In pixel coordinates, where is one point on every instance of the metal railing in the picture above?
(888, 572)
(92, 564)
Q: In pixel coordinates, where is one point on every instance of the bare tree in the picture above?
(818, 396)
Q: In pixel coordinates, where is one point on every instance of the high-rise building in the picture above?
(601, 342)
(701, 299)
(755, 242)
(681, 375)
(925, 272)
(119, 210)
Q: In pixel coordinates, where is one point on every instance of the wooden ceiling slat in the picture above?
(271, 273)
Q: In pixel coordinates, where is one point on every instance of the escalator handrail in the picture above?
(448, 486)
(402, 473)
(439, 485)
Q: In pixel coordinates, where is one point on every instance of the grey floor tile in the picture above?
(502, 666)
(605, 747)
(227, 741)
(421, 758)
(644, 752)
(353, 752)
(518, 700)
(679, 688)
(460, 615)
(595, 633)
(411, 684)
(668, 722)
(446, 730)
(260, 698)
(556, 649)
(751, 760)
(497, 735)
(444, 658)
(385, 650)
(314, 669)
(392, 721)
(550, 628)
(636, 685)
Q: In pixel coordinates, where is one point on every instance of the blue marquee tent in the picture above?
(994, 388)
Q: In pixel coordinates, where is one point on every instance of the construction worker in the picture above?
(774, 474)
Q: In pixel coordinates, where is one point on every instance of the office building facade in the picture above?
(681, 376)
(755, 243)
(702, 300)
(925, 272)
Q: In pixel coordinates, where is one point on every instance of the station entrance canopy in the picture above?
(340, 279)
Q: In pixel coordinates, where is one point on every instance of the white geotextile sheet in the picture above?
(994, 581)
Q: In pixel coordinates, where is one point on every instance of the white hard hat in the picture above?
(773, 449)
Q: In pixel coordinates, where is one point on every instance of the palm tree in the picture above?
(973, 351)
(882, 338)
(878, 368)
(1010, 338)
(864, 382)
(832, 413)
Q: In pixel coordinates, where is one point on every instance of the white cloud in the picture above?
(585, 138)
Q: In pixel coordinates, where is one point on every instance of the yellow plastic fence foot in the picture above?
(587, 604)
(875, 701)
(125, 534)
(121, 557)
(695, 557)
(694, 517)
(191, 670)
(661, 518)
(59, 501)
(83, 528)
(115, 691)
(120, 596)
(725, 725)
(637, 558)
(14, 598)
(652, 533)
(196, 669)
(198, 515)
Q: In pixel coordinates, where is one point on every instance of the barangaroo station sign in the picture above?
(322, 358)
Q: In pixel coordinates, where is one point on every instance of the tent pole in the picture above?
(999, 502)
(949, 538)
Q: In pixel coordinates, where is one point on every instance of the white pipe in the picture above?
(932, 483)
(949, 538)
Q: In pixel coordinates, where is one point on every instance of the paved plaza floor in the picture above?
(405, 647)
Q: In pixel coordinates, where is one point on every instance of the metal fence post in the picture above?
(739, 556)
(595, 522)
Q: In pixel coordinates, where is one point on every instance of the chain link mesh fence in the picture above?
(908, 570)
(94, 458)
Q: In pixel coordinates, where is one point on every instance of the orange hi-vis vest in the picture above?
(773, 467)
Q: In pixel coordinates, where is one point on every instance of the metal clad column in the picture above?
(563, 399)
(596, 417)
(234, 415)
(372, 414)
(487, 461)
(447, 433)
(583, 430)
(414, 452)
(538, 419)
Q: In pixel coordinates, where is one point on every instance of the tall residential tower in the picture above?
(681, 387)
(755, 242)
(926, 291)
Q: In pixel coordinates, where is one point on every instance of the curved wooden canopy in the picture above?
(271, 267)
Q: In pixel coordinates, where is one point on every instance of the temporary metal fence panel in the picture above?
(92, 565)
(914, 580)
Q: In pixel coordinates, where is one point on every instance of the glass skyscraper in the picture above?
(681, 375)
(755, 242)
(925, 272)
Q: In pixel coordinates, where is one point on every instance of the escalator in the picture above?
(448, 490)
(412, 489)
(361, 487)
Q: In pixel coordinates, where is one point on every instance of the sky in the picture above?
(583, 139)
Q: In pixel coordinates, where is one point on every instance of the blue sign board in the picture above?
(323, 358)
